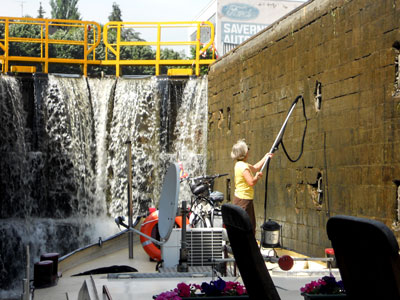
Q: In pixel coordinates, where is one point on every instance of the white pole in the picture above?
(26, 293)
(130, 223)
(279, 136)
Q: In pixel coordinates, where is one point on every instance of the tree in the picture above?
(65, 9)
(41, 11)
(116, 15)
(208, 54)
(167, 54)
(66, 51)
(24, 31)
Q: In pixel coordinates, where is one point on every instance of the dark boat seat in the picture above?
(367, 254)
(247, 255)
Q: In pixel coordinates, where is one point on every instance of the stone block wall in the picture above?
(343, 54)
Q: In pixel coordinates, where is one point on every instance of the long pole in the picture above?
(130, 213)
(183, 254)
(274, 147)
(26, 288)
(279, 136)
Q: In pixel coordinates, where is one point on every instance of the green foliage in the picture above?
(170, 54)
(137, 53)
(207, 55)
(126, 53)
(66, 50)
(41, 11)
(25, 31)
(116, 15)
(65, 9)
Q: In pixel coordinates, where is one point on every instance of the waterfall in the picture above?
(135, 118)
(190, 144)
(102, 93)
(63, 175)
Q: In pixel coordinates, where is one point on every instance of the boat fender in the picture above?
(149, 228)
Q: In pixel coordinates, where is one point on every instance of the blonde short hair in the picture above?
(239, 150)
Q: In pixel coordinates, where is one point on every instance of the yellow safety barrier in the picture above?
(43, 39)
(180, 72)
(23, 69)
(158, 43)
(90, 39)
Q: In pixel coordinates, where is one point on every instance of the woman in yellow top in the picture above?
(246, 176)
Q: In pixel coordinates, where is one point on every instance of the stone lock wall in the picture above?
(343, 57)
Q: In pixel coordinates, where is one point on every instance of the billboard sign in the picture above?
(240, 11)
(237, 33)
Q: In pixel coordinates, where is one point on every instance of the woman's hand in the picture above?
(258, 166)
(250, 179)
(269, 154)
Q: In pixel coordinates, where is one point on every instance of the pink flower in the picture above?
(168, 296)
(183, 290)
(196, 286)
(189, 290)
(229, 285)
(308, 288)
(240, 290)
(325, 285)
(322, 282)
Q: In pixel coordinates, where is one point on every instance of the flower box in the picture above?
(325, 288)
(323, 296)
(215, 290)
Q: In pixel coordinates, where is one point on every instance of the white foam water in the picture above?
(64, 159)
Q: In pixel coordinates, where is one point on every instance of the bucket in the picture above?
(270, 234)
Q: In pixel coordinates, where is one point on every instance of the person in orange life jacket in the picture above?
(246, 176)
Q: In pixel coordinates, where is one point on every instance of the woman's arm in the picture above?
(257, 167)
(250, 179)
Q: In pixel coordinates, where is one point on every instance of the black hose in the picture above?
(304, 132)
(284, 149)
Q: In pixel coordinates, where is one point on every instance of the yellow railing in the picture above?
(158, 42)
(87, 33)
(89, 39)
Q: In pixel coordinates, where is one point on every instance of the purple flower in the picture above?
(220, 284)
(210, 289)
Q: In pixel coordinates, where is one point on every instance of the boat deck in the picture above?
(147, 282)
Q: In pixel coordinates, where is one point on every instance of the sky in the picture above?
(99, 10)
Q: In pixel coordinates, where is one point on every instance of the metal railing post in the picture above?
(46, 51)
(158, 51)
(6, 45)
(198, 50)
(130, 212)
(117, 66)
(85, 49)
